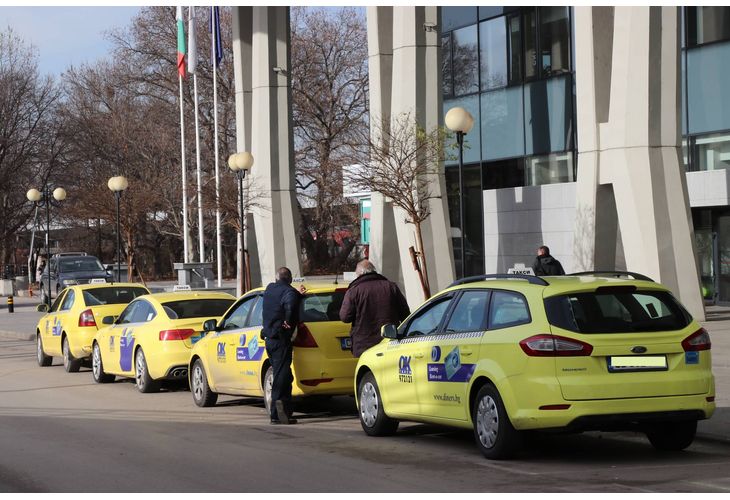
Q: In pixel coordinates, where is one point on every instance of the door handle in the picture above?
(418, 355)
(467, 352)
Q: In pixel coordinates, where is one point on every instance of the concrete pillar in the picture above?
(628, 112)
(414, 87)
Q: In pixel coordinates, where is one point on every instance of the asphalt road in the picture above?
(61, 432)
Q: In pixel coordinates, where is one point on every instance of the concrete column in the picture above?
(628, 102)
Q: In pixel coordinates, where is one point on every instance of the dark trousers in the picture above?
(280, 352)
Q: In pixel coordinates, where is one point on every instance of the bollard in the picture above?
(10, 304)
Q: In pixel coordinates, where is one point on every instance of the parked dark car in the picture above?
(68, 270)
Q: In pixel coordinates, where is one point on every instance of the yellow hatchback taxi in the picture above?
(152, 338)
(502, 354)
(232, 358)
(69, 326)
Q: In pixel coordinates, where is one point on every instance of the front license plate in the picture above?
(346, 343)
(636, 363)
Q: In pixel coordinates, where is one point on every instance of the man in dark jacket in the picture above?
(280, 316)
(545, 264)
(370, 302)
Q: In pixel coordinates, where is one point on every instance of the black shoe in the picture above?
(284, 417)
(275, 421)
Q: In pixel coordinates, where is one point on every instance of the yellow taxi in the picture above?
(232, 358)
(502, 354)
(68, 327)
(151, 339)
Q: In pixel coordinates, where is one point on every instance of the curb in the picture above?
(5, 335)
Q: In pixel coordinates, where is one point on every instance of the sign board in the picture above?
(520, 269)
(181, 288)
(97, 281)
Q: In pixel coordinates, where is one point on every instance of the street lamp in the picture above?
(118, 184)
(240, 163)
(460, 121)
(39, 198)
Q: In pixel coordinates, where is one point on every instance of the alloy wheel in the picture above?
(96, 362)
(487, 421)
(368, 404)
(197, 380)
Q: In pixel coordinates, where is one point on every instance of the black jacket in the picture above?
(546, 265)
(281, 303)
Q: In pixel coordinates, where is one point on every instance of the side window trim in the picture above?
(455, 303)
(428, 305)
(233, 310)
(59, 300)
(491, 304)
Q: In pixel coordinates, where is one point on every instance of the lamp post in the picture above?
(460, 121)
(240, 163)
(117, 185)
(44, 198)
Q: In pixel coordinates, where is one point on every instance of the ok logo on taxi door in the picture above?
(404, 369)
(221, 351)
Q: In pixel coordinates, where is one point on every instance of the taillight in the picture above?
(698, 341)
(304, 337)
(554, 345)
(86, 318)
(177, 334)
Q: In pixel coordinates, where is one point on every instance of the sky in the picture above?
(65, 35)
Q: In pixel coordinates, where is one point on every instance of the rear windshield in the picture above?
(80, 264)
(196, 308)
(321, 306)
(616, 312)
(112, 295)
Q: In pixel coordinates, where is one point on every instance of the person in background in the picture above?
(370, 302)
(545, 264)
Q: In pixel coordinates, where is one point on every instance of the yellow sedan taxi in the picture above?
(232, 358)
(68, 327)
(502, 354)
(151, 340)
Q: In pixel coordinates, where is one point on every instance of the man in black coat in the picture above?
(280, 316)
(545, 264)
(370, 302)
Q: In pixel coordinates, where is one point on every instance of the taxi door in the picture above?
(66, 319)
(115, 343)
(51, 328)
(453, 356)
(405, 362)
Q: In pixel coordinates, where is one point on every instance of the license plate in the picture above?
(636, 363)
(346, 343)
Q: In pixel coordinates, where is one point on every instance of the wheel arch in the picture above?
(264, 368)
(361, 372)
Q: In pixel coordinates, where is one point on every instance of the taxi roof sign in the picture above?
(179, 288)
(97, 281)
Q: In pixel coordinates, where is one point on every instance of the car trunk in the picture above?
(188, 323)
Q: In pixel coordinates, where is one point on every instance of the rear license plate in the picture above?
(636, 363)
(346, 343)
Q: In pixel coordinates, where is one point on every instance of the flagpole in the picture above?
(192, 68)
(219, 243)
(184, 176)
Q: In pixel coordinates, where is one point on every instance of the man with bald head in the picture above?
(370, 302)
(280, 316)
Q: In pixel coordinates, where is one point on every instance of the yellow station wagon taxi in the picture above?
(152, 338)
(69, 326)
(232, 358)
(502, 354)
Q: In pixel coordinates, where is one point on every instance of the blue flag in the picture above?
(216, 45)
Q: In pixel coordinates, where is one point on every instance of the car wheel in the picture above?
(43, 360)
(145, 384)
(268, 385)
(672, 436)
(97, 367)
(373, 419)
(44, 296)
(493, 430)
(202, 395)
(70, 364)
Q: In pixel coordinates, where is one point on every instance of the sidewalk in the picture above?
(21, 325)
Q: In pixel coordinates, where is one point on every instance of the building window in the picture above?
(502, 124)
(707, 25)
(456, 17)
(550, 169)
(503, 173)
(493, 52)
(447, 81)
(554, 40)
(711, 152)
(548, 116)
(530, 29)
(473, 216)
(465, 61)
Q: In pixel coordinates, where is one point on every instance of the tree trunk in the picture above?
(423, 266)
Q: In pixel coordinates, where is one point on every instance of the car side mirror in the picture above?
(42, 308)
(108, 320)
(389, 331)
(210, 325)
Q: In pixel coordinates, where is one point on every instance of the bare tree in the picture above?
(404, 160)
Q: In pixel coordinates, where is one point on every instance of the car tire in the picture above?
(495, 436)
(672, 436)
(44, 296)
(268, 385)
(43, 360)
(202, 395)
(145, 383)
(373, 419)
(70, 364)
(97, 367)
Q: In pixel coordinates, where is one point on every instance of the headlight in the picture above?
(70, 282)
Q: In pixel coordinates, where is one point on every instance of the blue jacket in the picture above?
(281, 303)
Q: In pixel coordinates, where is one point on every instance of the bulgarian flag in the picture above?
(180, 43)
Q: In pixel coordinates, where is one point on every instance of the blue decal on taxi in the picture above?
(250, 352)
(222, 352)
(57, 328)
(405, 374)
(692, 357)
(126, 348)
(451, 370)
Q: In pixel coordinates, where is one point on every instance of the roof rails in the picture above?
(616, 274)
(535, 280)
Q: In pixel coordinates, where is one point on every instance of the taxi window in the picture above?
(112, 295)
(470, 313)
(68, 302)
(197, 308)
(427, 320)
(128, 314)
(58, 301)
(237, 318)
(321, 306)
(143, 313)
(257, 313)
(508, 309)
